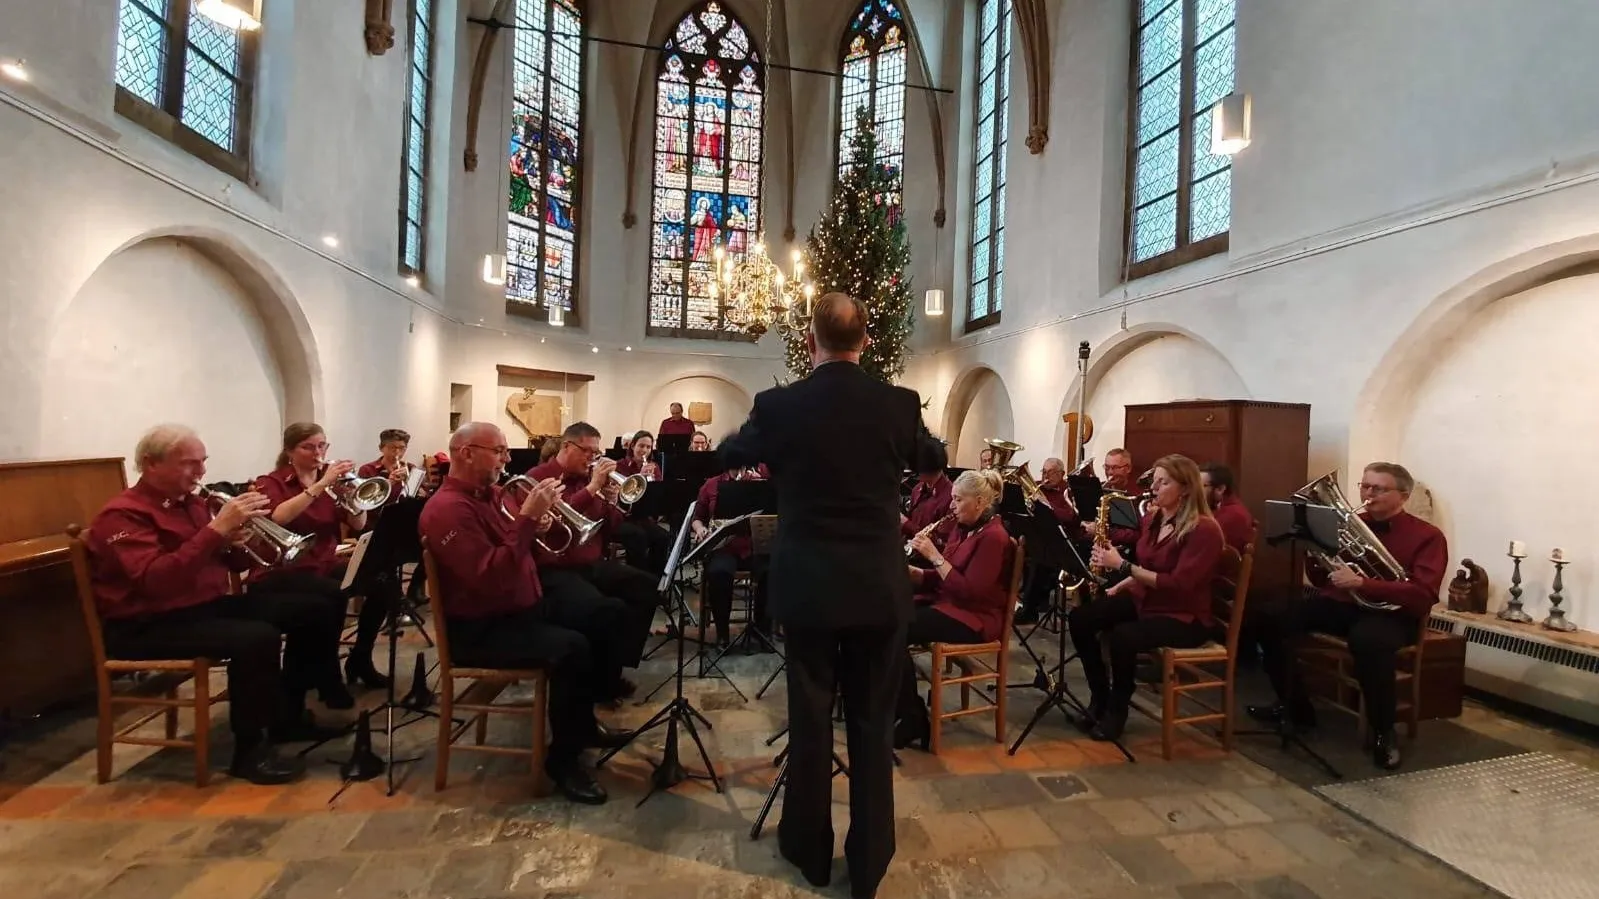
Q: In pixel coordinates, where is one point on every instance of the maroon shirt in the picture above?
(975, 590)
(1417, 546)
(928, 504)
(705, 510)
(675, 425)
(1060, 502)
(1236, 523)
(320, 520)
(1185, 570)
(574, 490)
(377, 469)
(485, 560)
(150, 553)
(630, 466)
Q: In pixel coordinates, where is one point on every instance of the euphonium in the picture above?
(579, 528)
(924, 532)
(1021, 477)
(266, 541)
(1358, 547)
(356, 495)
(1003, 450)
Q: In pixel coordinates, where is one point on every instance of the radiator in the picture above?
(1520, 664)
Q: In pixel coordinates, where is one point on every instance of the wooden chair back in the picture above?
(973, 660)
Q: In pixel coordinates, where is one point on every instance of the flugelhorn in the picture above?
(266, 541)
(629, 488)
(579, 528)
(357, 495)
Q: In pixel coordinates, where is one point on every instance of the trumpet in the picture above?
(629, 488)
(267, 542)
(910, 547)
(579, 528)
(357, 495)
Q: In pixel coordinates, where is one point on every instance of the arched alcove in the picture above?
(1489, 393)
(182, 327)
(1151, 363)
(730, 403)
(978, 407)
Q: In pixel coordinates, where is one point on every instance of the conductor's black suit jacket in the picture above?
(837, 443)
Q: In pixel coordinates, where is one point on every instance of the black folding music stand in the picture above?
(1290, 521)
(1042, 529)
(745, 499)
(679, 711)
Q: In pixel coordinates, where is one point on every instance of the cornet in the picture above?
(629, 488)
(357, 495)
(267, 542)
(579, 528)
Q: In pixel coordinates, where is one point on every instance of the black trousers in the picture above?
(928, 625)
(570, 634)
(1126, 634)
(720, 569)
(862, 664)
(1041, 582)
(246, 630)
(647, 544)
(1374, 639)
(610, 580)
(380, 594)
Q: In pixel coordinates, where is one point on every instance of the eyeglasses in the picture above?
(590, 451)
(1376, 488)
(496, 450)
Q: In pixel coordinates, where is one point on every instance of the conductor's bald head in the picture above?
(838, 328)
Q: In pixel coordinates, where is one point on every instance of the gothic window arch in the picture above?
(709, 131)
(873, 56)
(413, 174)
(986, 289)
(545, 158)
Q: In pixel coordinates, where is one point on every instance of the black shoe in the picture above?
(1110, 725)
(578, 785)
(304, 730)
(816, 873)
(1096, 709)
(264, 767)
(366, 674)
(1025, 617)
(336, 697)
(1303, 719)
(1385, 752)
(914, 731)
(605, 738)
(620, 689)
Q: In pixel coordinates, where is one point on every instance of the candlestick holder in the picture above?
(1557, 620)
(1513, 611)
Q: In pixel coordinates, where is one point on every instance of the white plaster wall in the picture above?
(1166, 368)
(1496, 427)
(987, 414)
(161, 333)
(730, 403)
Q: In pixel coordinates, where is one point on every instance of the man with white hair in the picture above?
(499, 616)
(159, 562)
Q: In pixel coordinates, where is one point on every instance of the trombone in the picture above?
(579, 528)
(266, 542)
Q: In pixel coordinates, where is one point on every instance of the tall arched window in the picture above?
(545, 158)
(987, 286)
(414, 176)
(709, 125)
(872, 59)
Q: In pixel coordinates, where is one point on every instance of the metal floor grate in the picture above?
(1522, 824)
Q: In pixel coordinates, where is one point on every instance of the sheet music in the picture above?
(413, 481)
(355, 560)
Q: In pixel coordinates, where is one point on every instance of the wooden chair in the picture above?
(1328, 658)
(976, 663)
(477, 695)
(1185, 672)
(159, 690)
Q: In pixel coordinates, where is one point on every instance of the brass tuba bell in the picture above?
(579, 528)
(1358, 547)
(266, 542)
(1003, 450)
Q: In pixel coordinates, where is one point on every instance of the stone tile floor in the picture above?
(1064, 817)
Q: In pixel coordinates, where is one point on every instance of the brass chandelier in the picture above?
(756, 296)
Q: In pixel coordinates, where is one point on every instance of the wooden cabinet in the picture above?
(1267, 446)
(45, 657)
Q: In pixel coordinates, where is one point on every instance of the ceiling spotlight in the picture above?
(594, 349)
(627, 349)
(15, 69)
(330, 241)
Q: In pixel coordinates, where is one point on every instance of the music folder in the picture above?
(413, 482)
(716, 538)
(354, 565)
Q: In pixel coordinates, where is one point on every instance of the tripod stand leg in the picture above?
(771, 799)
(694, 734)
(771, 680)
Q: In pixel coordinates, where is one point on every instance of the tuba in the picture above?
(1358, 547)
(1003, 450)
(357, 495)
(266, 542)
(579, 528)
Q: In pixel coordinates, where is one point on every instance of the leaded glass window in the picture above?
(987, 285)
(413, 182)
(709, 127)
(872, 61)
(545, 158)
(185, 75)
(1179, 193)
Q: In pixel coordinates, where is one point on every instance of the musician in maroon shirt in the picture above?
(699, 442)
(1118, 479)
(159, 563)
(676, 424)
(391, 464)
(580, 573)
(498, 617)
(968, 587)
(646, 542)
(929, 500)
(1164, 600)
(1041, 579)
(299, 499)
(730, 558)
(1237, 525)
(1375, 636)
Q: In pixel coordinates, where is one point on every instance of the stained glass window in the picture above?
(545, 157)
(872, 64)
(709, 126)
(987, 285)
(413, 177)
(1179, 192)
(172, 60)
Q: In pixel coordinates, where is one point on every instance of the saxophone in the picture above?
(1096, 573)
(924, 532)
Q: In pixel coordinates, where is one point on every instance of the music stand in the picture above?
(1086, 492)
(1055, 552)
(1290, 521)
(679, 711)
(673, 443)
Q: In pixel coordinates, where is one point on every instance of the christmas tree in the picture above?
(859, 248)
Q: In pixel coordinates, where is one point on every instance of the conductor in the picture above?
(837, 443)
